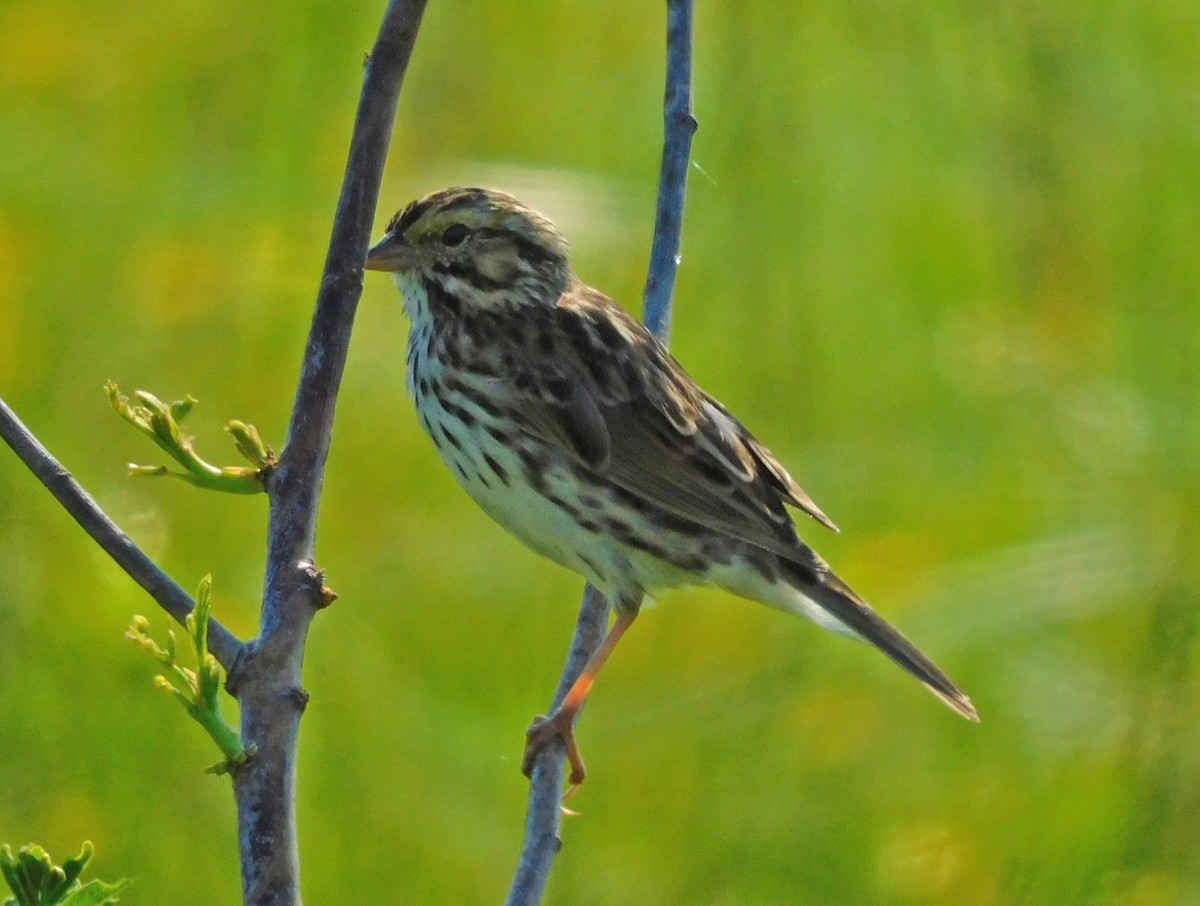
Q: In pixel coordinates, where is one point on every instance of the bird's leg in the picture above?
(560, 722)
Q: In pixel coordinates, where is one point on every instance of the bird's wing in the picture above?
(775, 474)
(620, 405)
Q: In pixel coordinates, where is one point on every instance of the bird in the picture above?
(574, 428)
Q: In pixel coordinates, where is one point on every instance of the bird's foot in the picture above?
(542, 732)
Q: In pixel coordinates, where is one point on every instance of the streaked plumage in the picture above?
(575, 428)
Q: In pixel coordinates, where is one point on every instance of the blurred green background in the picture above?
(943, 258)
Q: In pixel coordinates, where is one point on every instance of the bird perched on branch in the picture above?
(576, 430)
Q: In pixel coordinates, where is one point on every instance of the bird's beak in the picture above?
(389, 254)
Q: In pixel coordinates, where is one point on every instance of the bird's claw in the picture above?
(542, 732)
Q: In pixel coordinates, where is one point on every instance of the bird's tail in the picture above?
(825, 595)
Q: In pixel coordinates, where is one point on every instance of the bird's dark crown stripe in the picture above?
(407, 217)
(464, 198)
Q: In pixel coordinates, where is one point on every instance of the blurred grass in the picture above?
(942, 259)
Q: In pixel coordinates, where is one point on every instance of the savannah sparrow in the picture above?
(575, 429)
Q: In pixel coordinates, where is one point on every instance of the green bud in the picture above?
(149, 401)
(249, 443)
(54, 884)
(180, 408)
(72, 868)
(137, 471)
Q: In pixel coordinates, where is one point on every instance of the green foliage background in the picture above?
(943, 258)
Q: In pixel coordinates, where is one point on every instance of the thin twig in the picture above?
(543, 818)
(223, 644)
(268, 685)
(544, 815)
(679, 125)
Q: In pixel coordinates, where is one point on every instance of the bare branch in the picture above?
(268, 682)
(679, 125)
(544, 815)
(543, 818)
(296, 482)
(223, 644)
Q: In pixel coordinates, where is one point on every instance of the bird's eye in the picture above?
(454, 234)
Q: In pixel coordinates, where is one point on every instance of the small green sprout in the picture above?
(197, 690)
(36, 881)
(160, 422)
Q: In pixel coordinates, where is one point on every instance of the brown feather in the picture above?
(653, 432)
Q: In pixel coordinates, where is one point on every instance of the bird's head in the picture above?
(480, 246)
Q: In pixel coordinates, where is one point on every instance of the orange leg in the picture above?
(560, 722)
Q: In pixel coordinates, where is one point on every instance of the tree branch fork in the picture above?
(264, 673)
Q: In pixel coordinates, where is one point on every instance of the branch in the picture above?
(264, 673)
(225, 646)
(679, 125)
(544, 816)
(268, 683)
